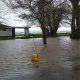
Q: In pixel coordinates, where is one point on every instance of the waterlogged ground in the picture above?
(58, 60)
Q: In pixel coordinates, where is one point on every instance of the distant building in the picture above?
(10, 31)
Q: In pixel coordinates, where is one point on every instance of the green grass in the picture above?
(35, 35)
(22, 37)
(63, 34)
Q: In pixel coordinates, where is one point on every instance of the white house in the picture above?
(10, 31)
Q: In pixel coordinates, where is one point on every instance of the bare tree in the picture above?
(54, 15)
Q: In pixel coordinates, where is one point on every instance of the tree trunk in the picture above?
(55, 22)
(53, 31)
(42, 19)
(44, 33)
(75, 26)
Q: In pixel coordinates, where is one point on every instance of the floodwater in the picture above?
(58, 60)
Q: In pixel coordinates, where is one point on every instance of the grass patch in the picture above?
(35, 35)
(63, 34)
(22, 37)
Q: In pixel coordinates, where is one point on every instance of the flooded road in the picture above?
(58, 60)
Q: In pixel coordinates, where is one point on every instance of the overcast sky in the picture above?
(10, 17)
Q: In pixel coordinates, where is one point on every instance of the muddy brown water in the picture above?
(58, 60)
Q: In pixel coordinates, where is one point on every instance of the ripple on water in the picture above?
(60, 55)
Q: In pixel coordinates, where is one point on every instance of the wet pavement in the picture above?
(58, 60)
